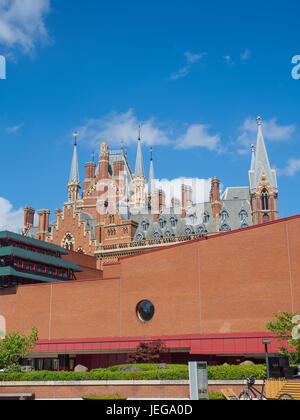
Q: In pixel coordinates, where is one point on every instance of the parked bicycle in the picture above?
(252, 393)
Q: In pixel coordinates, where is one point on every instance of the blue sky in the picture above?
(194, 74)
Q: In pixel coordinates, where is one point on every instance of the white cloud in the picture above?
(292, 166)
(22, 23)
(228, 60)
(10, 219)
(272, 132)
(115, 128)
(191, 59)
(14, 129)
(197, 136)
(246, 55)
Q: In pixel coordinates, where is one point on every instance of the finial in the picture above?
(151, 151)
(125, 149)
(93, 157)
(252, 148)
(140, 130)
(75, 134)
(259, 121)
(122, 147)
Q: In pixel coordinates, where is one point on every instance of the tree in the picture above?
(147, 352)
(15, 346)
(286, 328)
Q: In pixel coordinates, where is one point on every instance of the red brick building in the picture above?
(120, 212)
(208, 298)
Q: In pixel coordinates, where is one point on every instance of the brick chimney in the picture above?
(158, 203)
(215, 199)
(90, 169)
(186, 198)
(43, 224)
(28, 217)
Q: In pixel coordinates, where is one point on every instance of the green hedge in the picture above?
(149, 372)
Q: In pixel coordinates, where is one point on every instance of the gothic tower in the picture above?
(262, 183)
(139, 179)
(74, 182)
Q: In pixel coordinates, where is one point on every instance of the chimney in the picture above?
(186, 198)
(158, 203)
(43, 224)
(28, 217)
(215, 199)
(90, 169)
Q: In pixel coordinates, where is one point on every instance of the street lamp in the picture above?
(266, 341)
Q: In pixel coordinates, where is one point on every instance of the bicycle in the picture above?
(251, 392)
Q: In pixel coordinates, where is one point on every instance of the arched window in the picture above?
(224, 216)
(145, 225)
(205, 217)
(156, 235)
(173, 221)
(201, 229)
(243, 216)
(161, 222)
(192, 218)
(265, 199)
(225, 228)
(140, 237)
(168, 233)
(69, 242)
(188, 230)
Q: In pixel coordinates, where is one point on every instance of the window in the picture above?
(224, 216)
(201, 229)
(173, 221)
(161, 222)
(145, 310)
(205, 217)
(156, 235)
(168, 233)
(139, 237)
(145, 225)
(225, 227)
(188, 230)
(265, 199)
(265, 218)
(243, 216)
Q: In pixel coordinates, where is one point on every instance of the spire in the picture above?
(252, 157)
(151, 173)
(139, 165)
(260, 162)
(74, 173)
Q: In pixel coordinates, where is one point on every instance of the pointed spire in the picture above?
(74, 173)
(252, 157)
(139, 165)
(151, 173)
(260, 162)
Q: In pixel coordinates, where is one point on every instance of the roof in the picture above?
(9, 271)
(42, 258)
(31, 241)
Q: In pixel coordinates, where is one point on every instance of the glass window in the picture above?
(145, 310)
(224, 216)
(173, 222)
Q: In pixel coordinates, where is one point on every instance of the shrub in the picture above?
(148, 372)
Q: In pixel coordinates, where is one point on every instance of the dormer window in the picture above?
(205, 217)
(224, 216)
(161, 222)
(192, 218)
(243, 216)
(145, 225)
(173, 221)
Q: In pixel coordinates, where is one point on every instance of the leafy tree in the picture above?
(15, 346)
(147, 352)
(284, 327)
